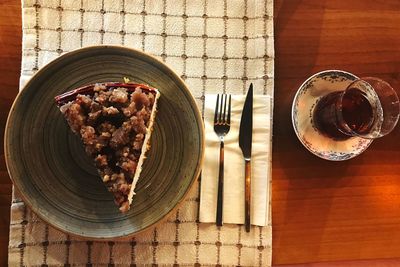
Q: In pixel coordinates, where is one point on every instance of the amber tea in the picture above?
(368, 108)
(356, 113)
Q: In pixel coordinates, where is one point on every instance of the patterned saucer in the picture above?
(305, 100)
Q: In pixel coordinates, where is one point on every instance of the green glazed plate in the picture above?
(48, 165)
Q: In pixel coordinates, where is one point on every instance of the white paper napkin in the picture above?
(233, 207)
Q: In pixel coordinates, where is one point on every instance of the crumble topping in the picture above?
(112, 123)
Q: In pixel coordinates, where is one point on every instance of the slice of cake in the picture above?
(114, 122)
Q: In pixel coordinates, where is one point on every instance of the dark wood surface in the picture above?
(328, 211)
(10, 63)
(322, 211)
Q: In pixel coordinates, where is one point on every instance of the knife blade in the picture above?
(245, 140)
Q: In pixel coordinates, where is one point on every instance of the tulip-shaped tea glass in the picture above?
(368, 108)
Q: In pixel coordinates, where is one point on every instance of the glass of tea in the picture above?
(368, 108)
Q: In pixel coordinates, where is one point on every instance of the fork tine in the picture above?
(220, 108)
(216, 109)
(229, 111)
(226, 96)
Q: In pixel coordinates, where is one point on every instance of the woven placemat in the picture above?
(216, 46)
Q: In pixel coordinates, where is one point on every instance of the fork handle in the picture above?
(220, 197)
(247, 195)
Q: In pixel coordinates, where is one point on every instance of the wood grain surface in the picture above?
(328, 211)
(10, 64)
(322, 211)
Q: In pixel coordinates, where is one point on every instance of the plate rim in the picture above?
(197, 114)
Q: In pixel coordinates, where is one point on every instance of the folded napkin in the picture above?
(233, 207)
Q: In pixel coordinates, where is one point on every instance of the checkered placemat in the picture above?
(216, 46)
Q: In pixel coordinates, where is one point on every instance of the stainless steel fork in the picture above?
(222, 125)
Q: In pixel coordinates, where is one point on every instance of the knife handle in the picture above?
(220, 197)
(247, 195)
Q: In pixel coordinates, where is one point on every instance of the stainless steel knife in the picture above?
(245, 140)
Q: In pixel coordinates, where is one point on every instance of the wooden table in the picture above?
(322, 211)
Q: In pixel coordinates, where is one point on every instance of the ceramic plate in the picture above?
(47, 162)
(308, 95)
